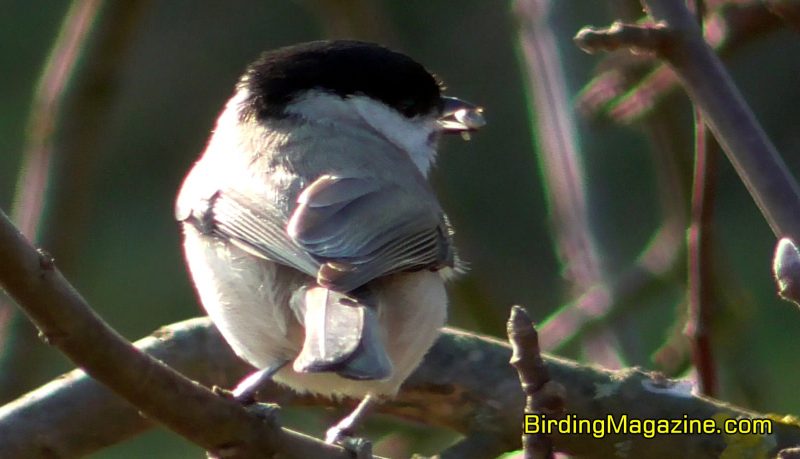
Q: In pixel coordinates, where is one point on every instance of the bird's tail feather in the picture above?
(342, 336)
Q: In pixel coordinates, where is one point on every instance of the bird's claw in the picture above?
(335, 435)
(246, 399)
(266, 411)
(222, 392)
(359, 447)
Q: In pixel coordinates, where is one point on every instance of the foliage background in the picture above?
(181, 67)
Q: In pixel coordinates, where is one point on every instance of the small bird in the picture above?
(310, 230)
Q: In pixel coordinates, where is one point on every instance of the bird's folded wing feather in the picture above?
(257, 229)
(344, 231)
(364, 228)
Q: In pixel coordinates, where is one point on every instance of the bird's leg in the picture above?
(245, 392)
(342, 433)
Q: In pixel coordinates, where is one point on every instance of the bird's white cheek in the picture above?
(414, 136)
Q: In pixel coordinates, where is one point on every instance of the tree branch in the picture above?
(465, 384)
(66, 128)
(727, 114)
(646, 39)
(220, 425)
(35, 175)
(728, 27)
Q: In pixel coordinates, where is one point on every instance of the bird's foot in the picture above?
(222, 392)
(245, 392)
(245, 399)
(267, 412)
(359, 447)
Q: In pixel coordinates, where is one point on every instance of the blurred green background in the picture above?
(121, 249)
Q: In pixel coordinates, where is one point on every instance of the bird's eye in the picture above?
(406, 107)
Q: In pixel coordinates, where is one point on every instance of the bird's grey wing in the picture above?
(344, 231)
(361, 228)
(258, 228)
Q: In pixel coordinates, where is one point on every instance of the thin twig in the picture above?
(701, 297)
(83, 121)
(558, 152)
(603, 303)
(560, 161)
(649, 38)
(700, 236)
(48, 98)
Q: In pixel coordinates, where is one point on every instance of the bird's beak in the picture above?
(459, 116)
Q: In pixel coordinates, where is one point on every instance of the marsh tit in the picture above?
(313, 238)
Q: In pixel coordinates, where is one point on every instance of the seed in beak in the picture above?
(471, 118)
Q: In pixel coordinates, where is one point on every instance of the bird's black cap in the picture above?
(341, 67)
